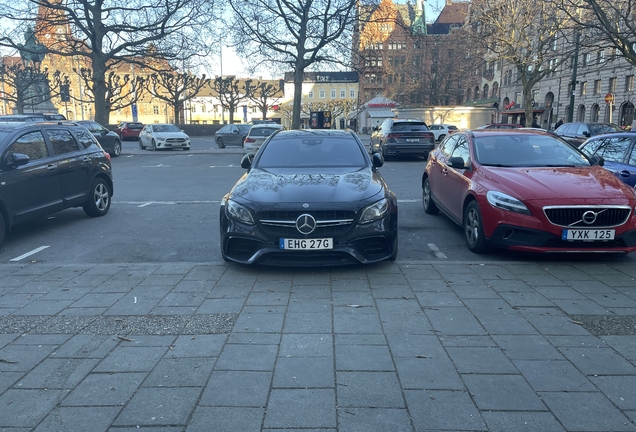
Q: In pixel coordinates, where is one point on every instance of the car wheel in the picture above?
(220, 143)
(3, 229)
(116, 149)
(441, 137)
(141, 144)
(98, 198)
(153, 144)
(427, 198)
(474, 229)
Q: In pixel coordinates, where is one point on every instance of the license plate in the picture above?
(412, 140)
(587, 235)
(306, 244)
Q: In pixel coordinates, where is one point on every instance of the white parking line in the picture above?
(436, 251)
(219, 166)
(156, 166)
(408, 200)
(28, 254)
(147, 203)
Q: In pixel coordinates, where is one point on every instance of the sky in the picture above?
(233, 65)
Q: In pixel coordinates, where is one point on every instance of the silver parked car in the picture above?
(257, 136)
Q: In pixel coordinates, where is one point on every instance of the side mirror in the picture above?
(104, 132)
(457, 162)
(14, 160)
(586, 134)
(597, 160)
(235, 132)
(377, 159)
(246, 161)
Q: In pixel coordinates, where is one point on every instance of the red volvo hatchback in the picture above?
(528, 191)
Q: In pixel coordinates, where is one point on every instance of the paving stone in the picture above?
(43, 307)
(23, 358)
(407, 323)
(373, 420)
(363, 358)
(360, 339)
(78, 419)
(180, 372)
(408, 345)
(212, 306)
(8, 379)
(226, 419)
(579, 306)
(442, 409)
(131, 359)
(599, 361)
(308, 322)
(527, 347)
(160, 406)
(482, 341)
(356, 323)
(259, 322)
(312, 292)
(247, 357)
(428, 373)
(54, 373)
(347, 298)
(301, 408)
(237, 388)
(526, 299)
(550, 375)
(454, 321)
(98, 300)
(255, 338)
(553, 322)
(621, 390)
(502, 393)
(161, 279)
(381, 291)
(306, 345)
(437, 299)
(624, 345)
(304, 372)
(26, 408)
(480, 360)
(586, 412)
(499, 318)
(42, 339)
(369, 389)
(101, 389)
(194, 286)
(197, 346)
(66, 293)
(521, 422)
(86, 346)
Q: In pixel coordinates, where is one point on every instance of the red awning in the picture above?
(520, 111)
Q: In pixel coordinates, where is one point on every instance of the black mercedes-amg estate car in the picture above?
(310, 197)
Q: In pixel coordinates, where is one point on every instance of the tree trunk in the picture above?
(102, 103)
(176, 113)
(527, 104)
(298, 93)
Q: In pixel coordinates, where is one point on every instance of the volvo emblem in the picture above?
(305, 205)
(305, 224)
(589, 217)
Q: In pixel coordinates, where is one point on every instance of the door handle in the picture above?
(625, 173)
(51, 167)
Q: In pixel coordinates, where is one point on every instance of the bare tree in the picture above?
(296, 35)
(122, 90)
(229, 92)
(523, 34)
(263, 95)
(28, 85)
(107, 32)
(606, 23)
(175, 89)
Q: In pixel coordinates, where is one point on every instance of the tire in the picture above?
(220, 143)
(474, 229)
(3, 229)
(116, 149)
(441, 137)
(98, 202)
(427, 198)
(154, 145)
(141, 145)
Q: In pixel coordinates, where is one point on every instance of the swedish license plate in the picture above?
(412, 140)
(587, 235)
(306, 244)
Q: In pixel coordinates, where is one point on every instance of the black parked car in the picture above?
(109, 140)
(48, 167)
(577, 132)
(310, 197)
(402, 137)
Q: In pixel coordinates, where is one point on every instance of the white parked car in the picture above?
(441, 130)
(257, 136)
(163, 136)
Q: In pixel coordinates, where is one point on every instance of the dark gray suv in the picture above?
(49, 167)
(402, 137)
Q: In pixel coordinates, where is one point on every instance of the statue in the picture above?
(32, 52)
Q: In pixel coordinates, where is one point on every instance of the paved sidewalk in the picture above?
(389, 348)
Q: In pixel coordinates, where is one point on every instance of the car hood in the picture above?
(557, 183)
(309, 186)
(170, 135)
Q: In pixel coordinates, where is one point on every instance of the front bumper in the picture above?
(532, 240)
(252, 244)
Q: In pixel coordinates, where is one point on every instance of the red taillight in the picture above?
(250, 140)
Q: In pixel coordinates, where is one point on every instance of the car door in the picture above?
(30, 190)
(439, 169)
(73, 166)
(457, 183)
(232, 137)
(615, 150)
(145, 136)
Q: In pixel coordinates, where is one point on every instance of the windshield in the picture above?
(532, 150)
(312, 151)
(597, 129)
(166, 128)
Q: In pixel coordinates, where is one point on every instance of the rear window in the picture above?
(244, 128)
(452, 128)
(311, 152)
(262, 131)
(597, 129)
(135, 125)
(409, 127)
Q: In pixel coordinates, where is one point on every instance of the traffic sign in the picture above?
(609, 98)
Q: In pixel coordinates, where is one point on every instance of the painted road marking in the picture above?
(436, 251)
(147, 203)
(28, 254)
(156, 166)
(408, 200)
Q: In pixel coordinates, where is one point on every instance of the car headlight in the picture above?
(506, 202)
(160, 138)
(238, 212)
(375, 211)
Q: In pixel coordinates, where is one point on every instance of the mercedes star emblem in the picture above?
(305, 224)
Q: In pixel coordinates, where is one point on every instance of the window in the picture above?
(310, 95)
(461, 150)
(612, 85)
(193, 108)
(417, 61)
(62, 141)
(32, 145)
(554, 44)
(613, 149)
(343, 93)
(86, 139)
(333, 93)
(600, 57)
(321, 93)
(583, 88)
(389, 79)
(155, 109)
(352, 93)
(629, 83)
(597, 86)
(586, 59)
